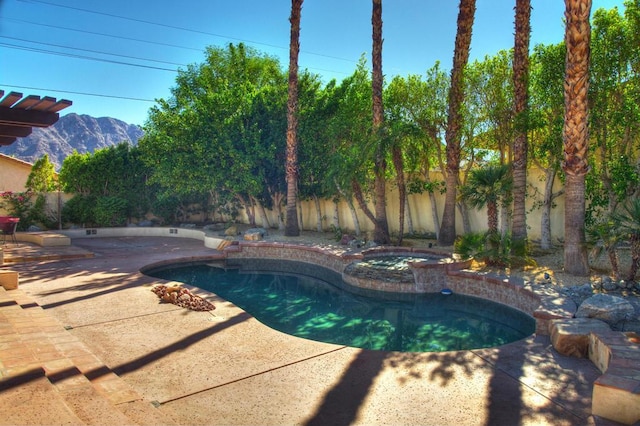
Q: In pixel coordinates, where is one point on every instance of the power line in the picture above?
(79, 93)
(182, 29)
(118, 37)
(92, 51)
(71, 55)
(100, 34)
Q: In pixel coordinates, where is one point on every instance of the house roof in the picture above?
(4, 157)
(20, 114)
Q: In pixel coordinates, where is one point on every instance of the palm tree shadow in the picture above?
(342, 402)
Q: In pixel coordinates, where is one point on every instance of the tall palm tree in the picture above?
(576, 133)
(466, 15)
(381, 230)
(521, 105)
(291, 228)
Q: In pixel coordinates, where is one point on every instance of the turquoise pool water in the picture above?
(290, 297)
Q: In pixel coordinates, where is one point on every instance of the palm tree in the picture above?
(576, 133)
(381, 230)
(521, 105)
(627, 220)
(486, 186)
(466, 15)
(292, 229)
(604, 236)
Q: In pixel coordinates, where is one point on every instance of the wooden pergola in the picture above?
(20, 114)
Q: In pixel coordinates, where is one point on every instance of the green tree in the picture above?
(545, 126)
(417, 111)
(116, 171)
(614, 111)
(41, 181)
(43, 176)
(221, 130)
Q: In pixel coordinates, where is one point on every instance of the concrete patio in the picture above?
(84, 341)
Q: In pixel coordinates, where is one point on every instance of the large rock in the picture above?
(608, 308)
(570, 337)
(255, 234)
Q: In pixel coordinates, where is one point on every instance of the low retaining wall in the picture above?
(210, 241)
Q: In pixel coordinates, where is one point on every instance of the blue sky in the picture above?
(136, 46)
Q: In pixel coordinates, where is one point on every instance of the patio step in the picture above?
(45, 369)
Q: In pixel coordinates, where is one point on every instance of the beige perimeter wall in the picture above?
(14, 174)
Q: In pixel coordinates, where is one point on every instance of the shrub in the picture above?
(80, 210)
(18, 204)
(111, 211)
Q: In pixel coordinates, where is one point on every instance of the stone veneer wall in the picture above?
(430, 276)
(328, 257)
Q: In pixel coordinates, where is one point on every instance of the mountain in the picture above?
(81, 133)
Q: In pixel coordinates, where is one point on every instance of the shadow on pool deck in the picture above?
(85, 341)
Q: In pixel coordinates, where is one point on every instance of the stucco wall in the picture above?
(14, 174)
(420, 206)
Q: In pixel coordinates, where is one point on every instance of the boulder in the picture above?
(608, 308)
(255, 234)
(570, 336)
(346, 239)
(231, 231)
(214, 227)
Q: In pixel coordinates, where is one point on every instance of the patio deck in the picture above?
(84, 341)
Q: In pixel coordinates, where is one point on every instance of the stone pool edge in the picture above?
(544, 304)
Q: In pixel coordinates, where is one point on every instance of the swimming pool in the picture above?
(312, 302)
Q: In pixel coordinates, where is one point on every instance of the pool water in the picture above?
(300, 304)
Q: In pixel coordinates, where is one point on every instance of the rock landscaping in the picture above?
(181, 296)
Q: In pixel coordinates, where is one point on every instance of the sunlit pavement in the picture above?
(84, 341)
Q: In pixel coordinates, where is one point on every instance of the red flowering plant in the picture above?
(17, 204)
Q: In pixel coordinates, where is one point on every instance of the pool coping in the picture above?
(543, 303)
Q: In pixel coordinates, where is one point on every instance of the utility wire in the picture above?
(100, 34)
(79, 93)
(71, 55)
(92, 51)
(134, 39)
(181, 28)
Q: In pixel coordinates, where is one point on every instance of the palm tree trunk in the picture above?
(466, 16)
(381, 230)
(434, 214)
(292, 228)
(576, 133)
(521, 105)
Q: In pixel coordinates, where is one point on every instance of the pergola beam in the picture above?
(18, 114)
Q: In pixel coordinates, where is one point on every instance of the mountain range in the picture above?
(72, 132)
